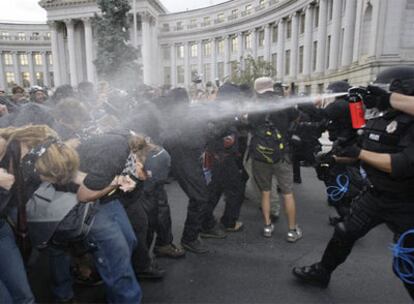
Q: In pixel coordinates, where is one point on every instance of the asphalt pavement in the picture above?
(248, 268)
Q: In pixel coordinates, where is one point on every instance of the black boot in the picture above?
(314, 274)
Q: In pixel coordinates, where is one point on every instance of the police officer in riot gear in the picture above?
(387, 155)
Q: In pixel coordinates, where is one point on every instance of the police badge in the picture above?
(392, 127)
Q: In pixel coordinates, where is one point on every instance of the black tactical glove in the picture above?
(352, 151)
(377, 97)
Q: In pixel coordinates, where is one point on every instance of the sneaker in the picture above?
(214, 233)
(268, 230)
(153, 272)
(195, 246)
(294, 234)
(314, 274)
(169, 251)
(238, 226)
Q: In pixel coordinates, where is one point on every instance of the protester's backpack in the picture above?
(57, 218)
(267, 144)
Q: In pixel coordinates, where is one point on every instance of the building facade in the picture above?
(25, 55)
(309, 42)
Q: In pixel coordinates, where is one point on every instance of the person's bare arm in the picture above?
(380, 161)
(85, 194)
(403, 103)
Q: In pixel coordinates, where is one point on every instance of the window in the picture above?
(167, 75)
(316, 16)
(194, 70)
(274, 34)
(8, 59)
(220, 70)
(207, 71)
(248, 41)
(289, 29)
(5, 36)
(287, 62)
(301, 59)
(38, 59)
(21, 36)
(274, 61)
(315, 55)
(220, 17)
(207, 49)
(50, 58)
(180, 51)
(248, 9)
(166, 53)
(302, 24)
(26, 79)
(220, 47)
(165, 27)
(328, 51)
(330, 9)
(320, 88)
(48, 36)
(39, 79)
(235, 12)
(194, 50)
(261, 38)
(262, 3)
(234, 45)
(179, 25)
(52, 79)
(23, 59)
(10, 79)
(180, 74)
(308, 90)
(206, 20)
(193, 22)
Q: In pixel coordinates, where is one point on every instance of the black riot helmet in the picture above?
(338, 87)
(398, 79)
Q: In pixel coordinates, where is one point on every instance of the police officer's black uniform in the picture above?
(390, 200)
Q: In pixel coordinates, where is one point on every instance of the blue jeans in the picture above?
(115, 240)
(13, 279)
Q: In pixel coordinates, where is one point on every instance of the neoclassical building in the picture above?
(309, 42)
(25, 55)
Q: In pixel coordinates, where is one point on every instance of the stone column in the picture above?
(240, 46)
(135, 23)
(31, 68)
(349, 32)
(70, 26)
(17, 76)
(254, 43)
(307, 45)
(187, 72)
(322, 22)
(146, 47)
(3, 84)
(55, 54)
(173, 62)
(226, 57)
(294, 46)
(281, 49)
(336, 34)
(46, 81)
(267, 43)
(375, 27)
(213, 59)
(200, 60)
(155, 53)
(90, 68)
(357, 31)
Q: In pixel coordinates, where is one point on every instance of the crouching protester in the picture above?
(45, 159)
(14, 286)
(387, 155)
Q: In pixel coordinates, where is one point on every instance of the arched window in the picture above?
(366, 30)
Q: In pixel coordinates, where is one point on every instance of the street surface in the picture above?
(248, 268)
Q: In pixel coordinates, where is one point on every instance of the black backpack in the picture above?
(267, 144)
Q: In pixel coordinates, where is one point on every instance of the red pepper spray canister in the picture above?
(356, 109)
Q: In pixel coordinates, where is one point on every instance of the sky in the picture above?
(29, 10)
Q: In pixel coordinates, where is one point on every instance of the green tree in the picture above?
(116, 60)
(252, 70)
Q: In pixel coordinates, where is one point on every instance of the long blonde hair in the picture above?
(58, 164)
